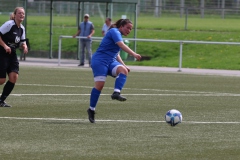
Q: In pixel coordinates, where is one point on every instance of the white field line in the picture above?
(108, 120)
(192, 95)
(142, 89)
(90, 87)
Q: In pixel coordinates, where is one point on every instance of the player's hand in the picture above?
(25, 50)
(24, 47)
(138, 56)
(8, 50)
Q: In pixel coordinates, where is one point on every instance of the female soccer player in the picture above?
(107, 61)
(12, 35)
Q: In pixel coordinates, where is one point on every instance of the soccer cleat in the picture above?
(117, 96)
(81, 64)
(4, 104)
(91, 114)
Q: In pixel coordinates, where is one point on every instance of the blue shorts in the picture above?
(102, 68)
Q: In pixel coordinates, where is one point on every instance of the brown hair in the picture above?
(119, 23)
(12, 16)
(16, 9)
(108, 18)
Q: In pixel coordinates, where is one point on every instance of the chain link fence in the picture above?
(150, 7)
(154, 8)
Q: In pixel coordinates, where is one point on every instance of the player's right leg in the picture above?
(3, 96)
(12, 70)
(3, 72)
(6, 89)
(95, 94)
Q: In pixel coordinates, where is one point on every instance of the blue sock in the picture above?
(120, 81)
(94, 98)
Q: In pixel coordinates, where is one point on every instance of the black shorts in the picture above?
(8, 63)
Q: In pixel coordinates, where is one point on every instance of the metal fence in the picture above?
(181, 42)
(157, 8)
(150, 7)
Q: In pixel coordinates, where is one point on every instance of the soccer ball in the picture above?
(173, 117)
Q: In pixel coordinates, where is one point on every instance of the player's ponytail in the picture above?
(119, 23)
(12, 16)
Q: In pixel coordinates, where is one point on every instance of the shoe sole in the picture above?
(119, 99)
(6, 106)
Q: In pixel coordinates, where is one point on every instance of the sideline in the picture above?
(69, 63)
(109, 120)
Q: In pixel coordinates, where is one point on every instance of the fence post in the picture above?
(186, 18)
(180, 57)
(59, 50)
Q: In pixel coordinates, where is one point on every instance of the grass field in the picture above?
(48, 119)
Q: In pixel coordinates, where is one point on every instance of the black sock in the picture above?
(7, 89)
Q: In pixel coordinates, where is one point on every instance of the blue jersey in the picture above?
(104, 60)
(108, 48)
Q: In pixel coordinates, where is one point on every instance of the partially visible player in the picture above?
(107, 61)
(106, 26)
(12, 35)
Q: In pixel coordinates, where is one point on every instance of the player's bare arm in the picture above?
(128, 50)
(119, 59)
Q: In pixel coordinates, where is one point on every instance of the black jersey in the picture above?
(12, 35)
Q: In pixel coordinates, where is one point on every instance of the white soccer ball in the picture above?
(173, 117)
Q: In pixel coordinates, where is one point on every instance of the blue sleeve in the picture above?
(116, 35)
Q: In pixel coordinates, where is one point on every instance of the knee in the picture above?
(99, 85)
(122, 70)
(13, 80)
(13, 77)
(2, 80)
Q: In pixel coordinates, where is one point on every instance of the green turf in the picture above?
(61, 130)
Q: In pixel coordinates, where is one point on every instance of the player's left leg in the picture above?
(121, 77)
